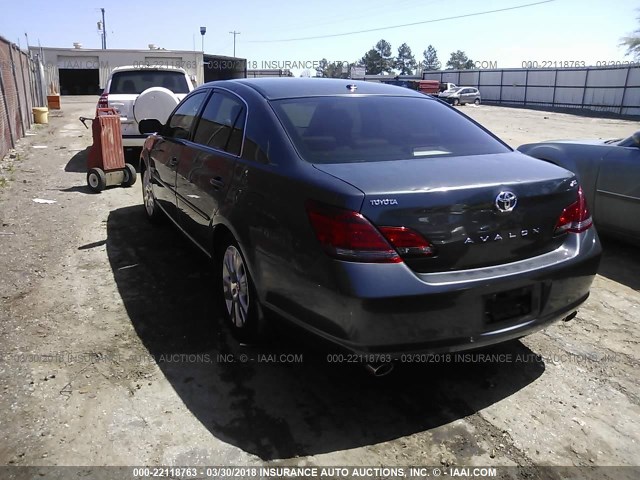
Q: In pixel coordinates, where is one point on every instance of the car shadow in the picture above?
(78, 163)
(284, 398)
(578, 112)
(620, 262)
(132, 156)
(78, 189)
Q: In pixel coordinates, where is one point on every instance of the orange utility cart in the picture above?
(105, 165)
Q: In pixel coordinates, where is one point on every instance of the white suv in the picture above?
(143, 92)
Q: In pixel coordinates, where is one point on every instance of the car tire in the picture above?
(477, 101)
(129, 175)
(456, 102)
(96, 179)
(132, 155)
(239, 302)
(154, 215)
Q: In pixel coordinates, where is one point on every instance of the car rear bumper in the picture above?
(133, 140)
(387, 308)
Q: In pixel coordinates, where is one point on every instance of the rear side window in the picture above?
(179, 125)
(222, 123)
(380, 128)
(136, 82)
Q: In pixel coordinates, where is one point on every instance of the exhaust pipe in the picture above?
(380, 369)
(570, 317)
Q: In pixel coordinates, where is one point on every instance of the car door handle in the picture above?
(173, 162)
(217, 182)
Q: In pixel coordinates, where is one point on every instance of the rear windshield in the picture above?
(380, 128)
(136, 82)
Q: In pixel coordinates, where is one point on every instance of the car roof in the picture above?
(287, 87)
(138, 68)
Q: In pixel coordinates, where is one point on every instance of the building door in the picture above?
(79, 75)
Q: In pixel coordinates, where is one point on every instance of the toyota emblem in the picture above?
(506, 201)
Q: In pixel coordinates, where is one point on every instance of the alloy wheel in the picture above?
(147, 193)
(235, 283)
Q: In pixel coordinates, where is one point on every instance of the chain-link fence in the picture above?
(21, 89)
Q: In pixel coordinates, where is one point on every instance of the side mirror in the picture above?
(149, 125)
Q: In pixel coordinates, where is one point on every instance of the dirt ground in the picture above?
(112, 351)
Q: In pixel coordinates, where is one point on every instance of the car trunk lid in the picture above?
(454, 203)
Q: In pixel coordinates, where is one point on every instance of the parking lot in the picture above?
(113, 354)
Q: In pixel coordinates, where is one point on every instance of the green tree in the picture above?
(459, 61)
(338, 70)
(372, 62)
(378, 59)
(405, 62)
(323, 65)
(431, 61)
(332, 70)
(384, 49)
(632, 42)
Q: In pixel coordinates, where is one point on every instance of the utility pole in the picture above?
(234, 33)
(104, 31)
(203, 30)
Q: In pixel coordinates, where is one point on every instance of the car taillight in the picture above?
(576, 217)
(407, 242)
(103, 101)
(347, 235)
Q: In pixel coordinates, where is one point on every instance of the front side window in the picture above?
(222, 123)
(379, 128)
(179, 124)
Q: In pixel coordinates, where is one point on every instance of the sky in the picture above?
(554, 31)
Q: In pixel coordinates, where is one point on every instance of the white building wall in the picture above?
(106, 60)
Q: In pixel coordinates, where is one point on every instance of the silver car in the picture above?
(461, 96)
(609, 172)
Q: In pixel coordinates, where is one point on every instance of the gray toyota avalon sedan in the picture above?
(372, 215)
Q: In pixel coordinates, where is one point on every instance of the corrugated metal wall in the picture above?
(608, 89)
(18, 94)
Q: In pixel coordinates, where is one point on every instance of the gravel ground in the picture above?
(113, 354)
